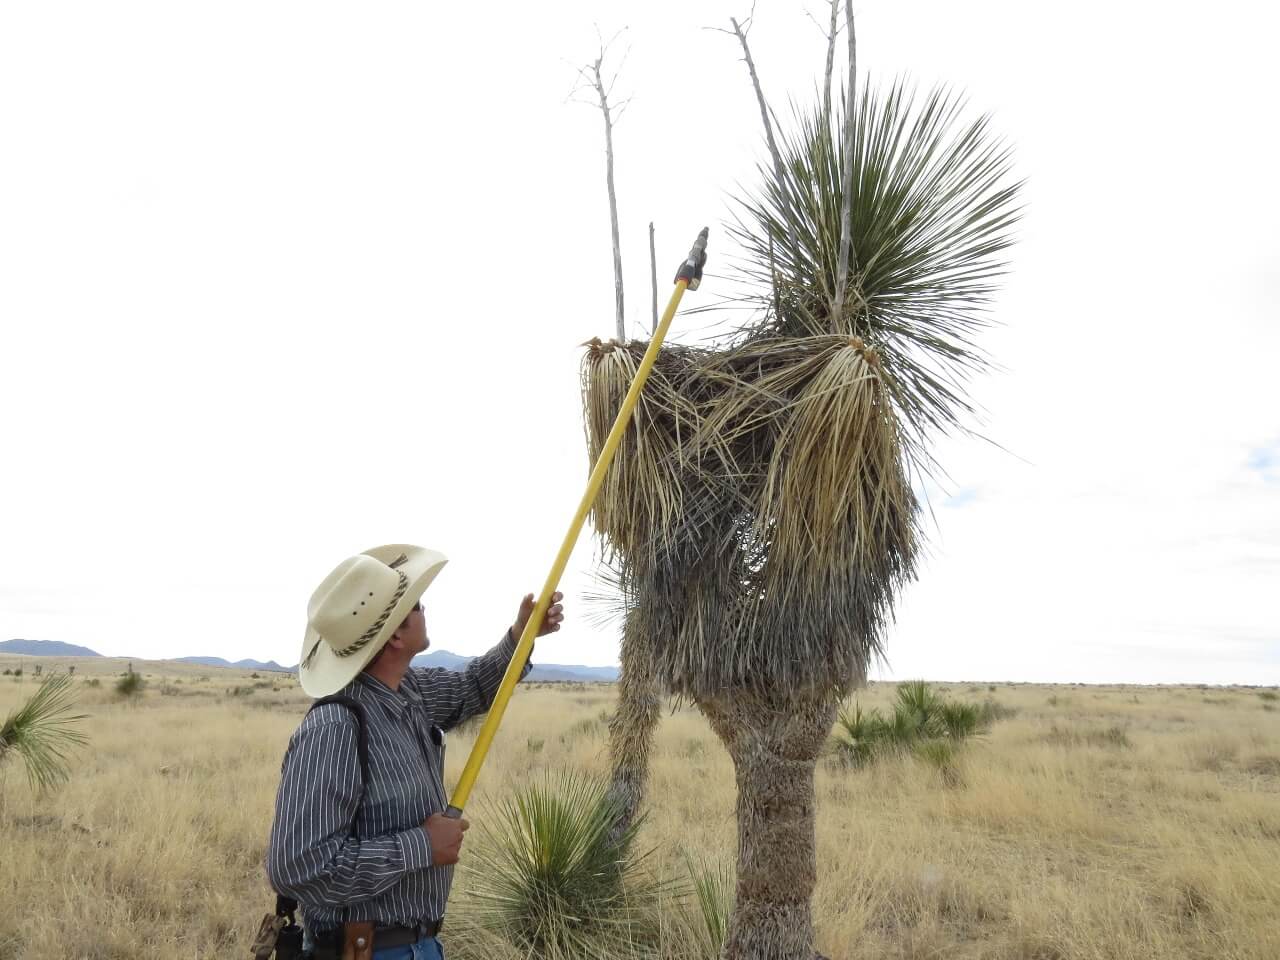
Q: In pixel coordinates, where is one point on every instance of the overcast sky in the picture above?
(283, 281)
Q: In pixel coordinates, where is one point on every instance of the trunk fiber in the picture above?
(774, 745)
(631, 734)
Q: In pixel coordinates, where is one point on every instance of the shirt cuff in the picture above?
(415, 848)
(508, 649)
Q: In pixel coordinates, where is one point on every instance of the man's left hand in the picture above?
(550, 622)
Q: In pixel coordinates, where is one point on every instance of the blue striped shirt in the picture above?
(383, 873)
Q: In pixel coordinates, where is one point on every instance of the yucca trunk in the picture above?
(631, 732)
(775, 747)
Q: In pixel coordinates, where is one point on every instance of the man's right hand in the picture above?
(446, 838)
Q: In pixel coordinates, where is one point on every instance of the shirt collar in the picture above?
(397, 701)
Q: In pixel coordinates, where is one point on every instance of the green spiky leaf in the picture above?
(41, 732)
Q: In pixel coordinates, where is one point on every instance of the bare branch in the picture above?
(604, 47)
(831, 59)
(597, 81)
(778, 168)
(623, 62)
(583, 81)
(764, 106)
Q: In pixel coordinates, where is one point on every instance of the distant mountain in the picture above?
(238, 665)
(441, 658)
(542, 672)
(599, 674)
(45, 648)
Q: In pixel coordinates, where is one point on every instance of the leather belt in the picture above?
(329, 942)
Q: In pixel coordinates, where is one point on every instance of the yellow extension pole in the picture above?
(690, 273)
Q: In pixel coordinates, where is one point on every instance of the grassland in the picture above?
(1097, 822)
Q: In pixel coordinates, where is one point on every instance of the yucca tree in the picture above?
(762, 514)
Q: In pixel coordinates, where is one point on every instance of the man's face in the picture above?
(415, 630)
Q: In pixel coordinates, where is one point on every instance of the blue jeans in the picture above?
(428, 949)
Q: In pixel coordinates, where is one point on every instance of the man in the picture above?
(380, 851)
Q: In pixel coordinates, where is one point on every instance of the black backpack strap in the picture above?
(362, 737)
(287, 906)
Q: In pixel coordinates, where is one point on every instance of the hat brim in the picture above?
(326, 672)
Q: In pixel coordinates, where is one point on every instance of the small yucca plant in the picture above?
(960, 720)
(41, 732)
(713, 898)
(552, 878)
(918, 701)
(922, 723)
(859, 735)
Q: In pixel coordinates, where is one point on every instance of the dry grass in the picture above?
(1112, 823)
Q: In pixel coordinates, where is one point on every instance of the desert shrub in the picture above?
(130, 686)
(239, 691)
(534, 744)
(551, 879)
(1269, 695)
(8, 672)
(92, 682)
(920, 716)
(17, 671)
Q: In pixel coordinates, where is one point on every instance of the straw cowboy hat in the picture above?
(355, 610)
